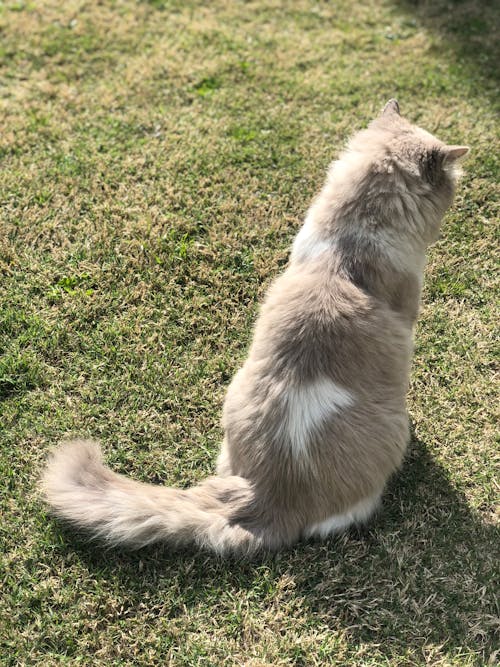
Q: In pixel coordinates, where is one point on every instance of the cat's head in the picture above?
(416, 150)
(411, 161)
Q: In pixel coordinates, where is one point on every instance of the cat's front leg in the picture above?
(223, 468)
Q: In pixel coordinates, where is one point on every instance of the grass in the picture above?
(157, 159)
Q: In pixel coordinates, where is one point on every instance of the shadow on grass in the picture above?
(471, 29)
(420, 576)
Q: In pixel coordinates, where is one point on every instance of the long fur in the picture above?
(315, 421)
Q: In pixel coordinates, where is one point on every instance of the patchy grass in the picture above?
(157, 158)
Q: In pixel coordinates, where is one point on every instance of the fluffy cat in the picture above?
(315, 421)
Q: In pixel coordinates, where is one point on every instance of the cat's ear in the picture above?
(453, 153)
(439, 158)
(391, 107)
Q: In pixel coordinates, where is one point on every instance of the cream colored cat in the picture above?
(315, 421)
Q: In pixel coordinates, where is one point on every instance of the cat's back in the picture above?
(315, 320)
(325, 380)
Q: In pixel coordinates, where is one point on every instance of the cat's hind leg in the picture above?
(355, 515)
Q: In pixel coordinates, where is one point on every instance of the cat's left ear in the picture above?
(391, 107)
(453, 153)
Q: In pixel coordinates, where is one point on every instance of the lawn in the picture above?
(156, 161)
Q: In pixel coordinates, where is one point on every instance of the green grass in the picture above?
(157, 159)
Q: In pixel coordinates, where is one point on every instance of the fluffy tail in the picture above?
(81, 489)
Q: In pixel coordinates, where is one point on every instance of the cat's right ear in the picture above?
(453, 153)
(391, 107)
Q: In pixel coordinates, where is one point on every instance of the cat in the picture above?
(315, 421)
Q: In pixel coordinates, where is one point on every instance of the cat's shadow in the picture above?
(421, 575)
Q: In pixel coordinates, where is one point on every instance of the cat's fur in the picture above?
(315, 421)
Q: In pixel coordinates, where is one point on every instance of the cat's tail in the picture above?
(84, 491)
